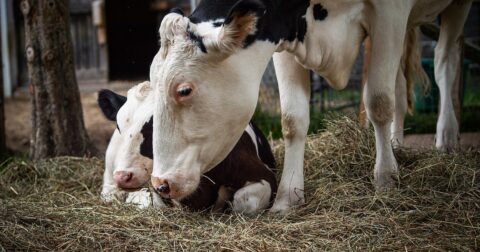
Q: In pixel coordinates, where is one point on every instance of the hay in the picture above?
(54, 205)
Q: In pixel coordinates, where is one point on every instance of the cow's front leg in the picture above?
(294, 87)
(448, 72)
(388, 36)
(252, 198)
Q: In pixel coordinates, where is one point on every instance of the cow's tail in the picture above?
(412, 64)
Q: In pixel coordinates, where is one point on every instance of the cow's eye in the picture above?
(184, 91)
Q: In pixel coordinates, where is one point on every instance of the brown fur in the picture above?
(234, 34)
(288, 126)
(242, 165)
(381, 108)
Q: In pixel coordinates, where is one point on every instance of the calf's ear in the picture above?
(110, 102)
(241, 22)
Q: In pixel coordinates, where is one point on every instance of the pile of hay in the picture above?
(54, 205)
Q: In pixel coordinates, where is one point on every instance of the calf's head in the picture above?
(130, 149)
(206, 78)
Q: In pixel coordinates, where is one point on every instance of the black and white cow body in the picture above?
(210, 65)
(246, 171)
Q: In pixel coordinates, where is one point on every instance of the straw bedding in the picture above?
(55, 205)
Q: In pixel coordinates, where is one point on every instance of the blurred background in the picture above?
(114, 44)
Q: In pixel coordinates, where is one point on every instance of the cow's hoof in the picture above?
(447, 137)
(386, 178)
(446, 142)
(284, 205)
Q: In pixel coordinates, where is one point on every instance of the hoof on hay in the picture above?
(447, 137)
(283, 206)
(386, 179)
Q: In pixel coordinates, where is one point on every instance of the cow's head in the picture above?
(130, 149)
(206, 77)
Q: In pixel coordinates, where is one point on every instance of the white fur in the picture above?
(141, 198)
(253, 136)
(447, 66)
(123, 150)
(251, 198)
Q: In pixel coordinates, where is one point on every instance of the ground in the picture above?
(18, 125)
(55, 205)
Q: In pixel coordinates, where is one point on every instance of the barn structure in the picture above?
(113, 39)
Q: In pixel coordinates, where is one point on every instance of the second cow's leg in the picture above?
(401, 107)
(448, 71)
(387, 37)
(294, 88)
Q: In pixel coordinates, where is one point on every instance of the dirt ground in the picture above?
(18, 125)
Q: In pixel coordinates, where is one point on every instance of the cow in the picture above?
(246, 172)
(208, 70)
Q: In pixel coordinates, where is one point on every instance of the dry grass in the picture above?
(54, 205)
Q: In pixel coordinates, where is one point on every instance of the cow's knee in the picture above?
(380, 108)
(252, 198)
(294, 126)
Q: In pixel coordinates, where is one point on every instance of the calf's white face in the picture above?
(131, 169)
(206, 91)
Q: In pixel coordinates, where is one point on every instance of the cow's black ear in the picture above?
(177, 10)
(110, 102)
(242, 21)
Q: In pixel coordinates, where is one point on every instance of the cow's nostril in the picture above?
(163, 188)
(122, 177)
(127, 177)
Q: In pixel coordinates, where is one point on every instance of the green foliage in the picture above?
(270, 123)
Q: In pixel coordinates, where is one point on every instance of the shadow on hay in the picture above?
(55, 204)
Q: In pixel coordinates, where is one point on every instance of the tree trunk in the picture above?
(57, 118)
(3, 147)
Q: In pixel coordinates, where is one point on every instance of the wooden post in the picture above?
(57, 117)
(363, 120)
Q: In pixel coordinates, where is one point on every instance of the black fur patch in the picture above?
(146, 148)
(277, 19)
(177, 10)
(319, 13)
(198, 40)
(217, 24)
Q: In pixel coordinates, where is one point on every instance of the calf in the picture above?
(245, 173)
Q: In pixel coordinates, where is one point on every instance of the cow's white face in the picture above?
(206, 91)
(126, 150)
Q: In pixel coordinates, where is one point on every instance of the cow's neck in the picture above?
(324, 35)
